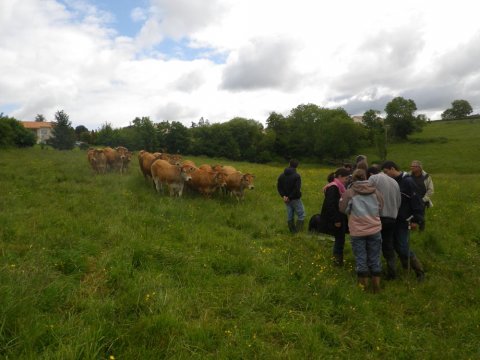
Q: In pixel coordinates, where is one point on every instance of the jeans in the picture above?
(295, 207)
(401, 239)
(367, 250)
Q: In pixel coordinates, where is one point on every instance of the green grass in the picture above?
(98, 266)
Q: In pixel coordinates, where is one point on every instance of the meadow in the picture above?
(102, 267)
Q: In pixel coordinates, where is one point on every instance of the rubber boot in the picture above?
(418, 268)
(405, 262)
(338, 259)
(299, 225)
(363, 282)
(391, 269)
(291, 226)
(375, 284)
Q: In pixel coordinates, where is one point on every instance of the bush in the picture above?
(13, 134)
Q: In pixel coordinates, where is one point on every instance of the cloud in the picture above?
(264, 63)
(138, 14)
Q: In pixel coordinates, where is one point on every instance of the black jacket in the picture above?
(330, 213)
(412, 204)
(289, 184)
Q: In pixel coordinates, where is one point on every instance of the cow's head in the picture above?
(186, 172)
(247, 181)
(220, 179)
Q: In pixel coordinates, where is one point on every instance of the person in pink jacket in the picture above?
(362, 203)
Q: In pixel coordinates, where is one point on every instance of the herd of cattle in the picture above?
(172, 172)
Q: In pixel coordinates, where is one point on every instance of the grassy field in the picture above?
(99, 267)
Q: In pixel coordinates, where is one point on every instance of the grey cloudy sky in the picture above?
(179, 60)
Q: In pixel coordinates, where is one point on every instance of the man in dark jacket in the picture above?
(410, 215)
(289, 187)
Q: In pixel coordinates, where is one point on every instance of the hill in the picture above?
(443, 147)
(103, 267)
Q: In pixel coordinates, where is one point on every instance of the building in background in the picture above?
(42, 129)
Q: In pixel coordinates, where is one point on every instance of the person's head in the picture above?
(348, 166)
(360, 158)
(359, 175)
(372, 170)
(390, 168)
(342, 175)
(330, 177)
(416, 167)
(293, 163)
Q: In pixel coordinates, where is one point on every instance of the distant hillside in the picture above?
(442, 146)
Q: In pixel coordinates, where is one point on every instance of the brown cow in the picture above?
(189, 163)
(146, 160)
(113, 158)
(97, 160)
(124, 158)
(226, 169)
(205, 167)
(173, 175)
(237, 182)
(206, 182)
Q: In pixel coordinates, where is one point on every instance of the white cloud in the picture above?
(235, 58)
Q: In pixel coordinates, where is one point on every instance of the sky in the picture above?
(109, 61)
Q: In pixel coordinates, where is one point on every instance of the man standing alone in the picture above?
(289, 187)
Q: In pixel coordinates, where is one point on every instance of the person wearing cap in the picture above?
(424, 182)
(289, 185)
(410, 215)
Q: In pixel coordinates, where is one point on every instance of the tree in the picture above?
(82, 133)
(39, 118)
(377, 131)
(12, 133)
(401, 119)
(460, 110)
(63, 134)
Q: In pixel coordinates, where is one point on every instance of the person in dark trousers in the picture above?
(390, 191)
(424, 183)
(289, 186)
(332, 221)
(410, 215)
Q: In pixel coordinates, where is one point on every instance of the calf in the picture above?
(173, 175)
(237, 182)
(206, 182)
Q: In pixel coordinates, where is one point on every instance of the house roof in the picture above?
(36, 124)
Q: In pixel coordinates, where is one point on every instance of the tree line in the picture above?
(308, 131)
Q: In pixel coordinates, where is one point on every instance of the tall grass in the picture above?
(99, 266)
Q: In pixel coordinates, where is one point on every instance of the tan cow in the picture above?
(226, 169)
(123, 158)
(146, 160)
(189, 163)
(97, 160)
(238, 182)
(205, 167)
(173, 175)
(113, 158)
(206, 182)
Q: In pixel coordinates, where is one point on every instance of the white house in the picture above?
(42, 129)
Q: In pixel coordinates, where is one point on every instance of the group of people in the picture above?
(376, 205)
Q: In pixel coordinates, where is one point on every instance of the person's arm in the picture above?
(344, 202)
(429, 187)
